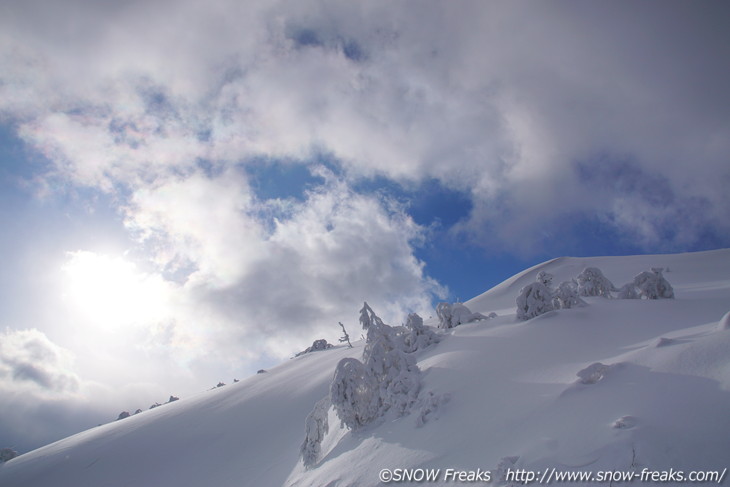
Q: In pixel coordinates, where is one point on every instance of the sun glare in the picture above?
(111, 292)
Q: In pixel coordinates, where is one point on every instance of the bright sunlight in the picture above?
(111, 292)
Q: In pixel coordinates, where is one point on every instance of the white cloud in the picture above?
(281, 287)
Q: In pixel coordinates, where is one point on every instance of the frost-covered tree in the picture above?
(545, 278)
(592, 282)
(566, 296)
(123, 415)
(355, 393)
(7, 454)
(394, 370)
(451, 315)
(652, 285)
(628, 291)
(417, 336)
(386, 379)
(345, 337)
(368, 318)
(533, 300)
(316, 427)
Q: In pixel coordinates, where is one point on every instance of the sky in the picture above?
(191, 192)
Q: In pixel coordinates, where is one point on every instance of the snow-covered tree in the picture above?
(545, 278)
(628, 291)
(566, 296)
(592, 282)
(7, 454)
(652, 285)
(368, 318)
(316, 427)
(394, 370)
(345, 337)
(418, 336)
(123, 415)
(355, 393)
(533, 300)
(386, 379)
(451, 315)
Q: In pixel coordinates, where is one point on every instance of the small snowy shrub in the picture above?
(123, 415)
(533, 300)
(173, 399)
(592, 282)
(7, 454)
(566, 296)
(652, 285)
(451, 315)
(316, 427)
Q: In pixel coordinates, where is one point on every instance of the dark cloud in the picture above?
(27, 357)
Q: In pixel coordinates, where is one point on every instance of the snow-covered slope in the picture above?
(659, 401)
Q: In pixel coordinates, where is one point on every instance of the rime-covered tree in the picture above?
(652, 285)
(451, 315)
(566, 296)
(545, 278)
(354, 393)
(417, 335)
(628, 291)
(316, 427)
(368, 319)
(592, 282)
(345, 337)
(533, 300)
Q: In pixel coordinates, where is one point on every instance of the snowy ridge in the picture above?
(616, 385)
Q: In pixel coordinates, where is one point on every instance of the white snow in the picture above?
(615, 385)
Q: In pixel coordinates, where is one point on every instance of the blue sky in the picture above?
(189, 198)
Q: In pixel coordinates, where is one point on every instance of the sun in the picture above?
(111, 293)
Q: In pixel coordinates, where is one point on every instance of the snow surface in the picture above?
(618, 384)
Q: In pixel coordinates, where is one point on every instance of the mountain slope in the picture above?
(659, 399)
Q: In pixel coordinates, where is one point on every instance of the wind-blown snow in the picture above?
(617, 384)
